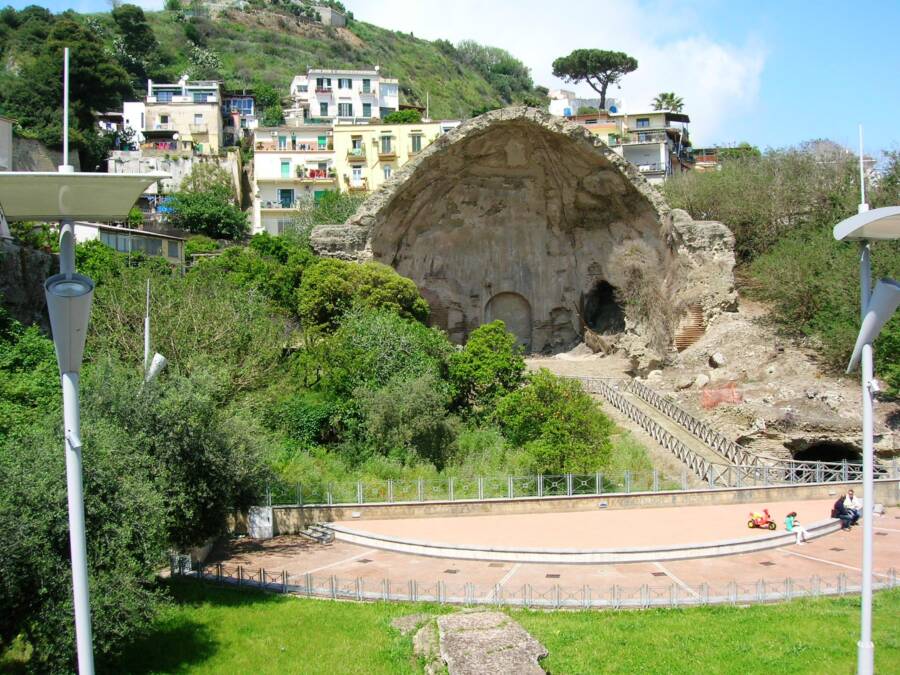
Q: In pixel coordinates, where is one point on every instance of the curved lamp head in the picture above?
(69, 298)
(882, 305)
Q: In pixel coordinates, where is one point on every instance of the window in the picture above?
(286, 197)
(642, 123)
(153, 246)
(323, 109)
(345, 110)
(387, 172)
(282, 142)
(385, 145)
(198, 119)
(322, 142)
(318, 195)
(200, 97)
(416, 142)
(356, 176)
(164, 96)
(172, 251)
(345, 83)
(323, 166)
(366, 86)
(163, 119)
(323, 83)
(282, 225)
(367, 109)
(285, 168)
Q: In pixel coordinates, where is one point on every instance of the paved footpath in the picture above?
(827, 557)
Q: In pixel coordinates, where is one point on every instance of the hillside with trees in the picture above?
(261, 47)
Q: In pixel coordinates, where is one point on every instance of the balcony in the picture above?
(162, 126)
(269, 146)
(646, 137)
(198, 129)
(651, 168)
(356, 155)
(361, 185)
(324, 90)
(279, 206)
(388, 155)
(316, 176)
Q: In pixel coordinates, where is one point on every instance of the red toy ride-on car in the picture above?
(761, 520)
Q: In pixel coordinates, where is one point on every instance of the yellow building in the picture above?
(366, 155)
(186, 115)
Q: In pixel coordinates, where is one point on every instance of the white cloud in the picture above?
(719, 81)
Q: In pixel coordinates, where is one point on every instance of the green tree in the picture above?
(138, 49)
(330, 288)
(32, 94)
(742, 150)
(560, 428)
(598, 67)
(206, 204)
(407, 419)
(587, 110)
(98, 261)
(403, 117)
(488, 367)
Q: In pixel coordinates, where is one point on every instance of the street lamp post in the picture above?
(65, 196)
(877, 307)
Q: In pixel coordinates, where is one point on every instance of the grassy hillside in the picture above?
(268, 46)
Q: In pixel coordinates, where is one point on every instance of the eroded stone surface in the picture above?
(407, 624)
(520, 216)
(473, 643)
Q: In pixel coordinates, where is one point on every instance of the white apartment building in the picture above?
(565, 103)
(343, 94)
(292, 165)
(650, 141)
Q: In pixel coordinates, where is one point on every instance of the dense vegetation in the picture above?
(281, 365)
(782, 206)
(261, 47)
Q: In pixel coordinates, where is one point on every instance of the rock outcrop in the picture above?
(528, 218)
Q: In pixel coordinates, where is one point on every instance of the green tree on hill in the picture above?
(206, 204)
(598, 67)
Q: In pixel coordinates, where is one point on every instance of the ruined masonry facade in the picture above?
(520, 216)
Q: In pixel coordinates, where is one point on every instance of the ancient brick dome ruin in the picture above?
(520, 216)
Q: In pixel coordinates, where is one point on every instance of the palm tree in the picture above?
(667, 100)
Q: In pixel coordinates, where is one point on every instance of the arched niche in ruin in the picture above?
(519, 204)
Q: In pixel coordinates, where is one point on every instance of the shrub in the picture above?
(371, 348)
(330, 288)
(200, 243)
(560, 428)
(303, 416)
(98, 261)
(407, 419)
(490, 365)
(206, 204)
(403, 117)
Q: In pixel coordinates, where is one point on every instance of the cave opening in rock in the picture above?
(829, 451)
(602, 313)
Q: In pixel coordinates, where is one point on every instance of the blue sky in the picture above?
(771, 72)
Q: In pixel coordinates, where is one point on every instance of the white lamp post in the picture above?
(876, 308)
(66, 196)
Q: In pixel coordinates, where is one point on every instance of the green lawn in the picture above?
(213, 630)
(804, 636)
(223, 631)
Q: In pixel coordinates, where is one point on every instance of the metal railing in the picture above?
(553, 596)
(599, 484)
(782, 470)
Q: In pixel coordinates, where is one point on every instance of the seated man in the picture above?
(839, 511)
(853, 506)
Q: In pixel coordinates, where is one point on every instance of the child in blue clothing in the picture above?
(791, 524)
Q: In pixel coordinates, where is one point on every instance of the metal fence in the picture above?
(528, 595)
(449, 489)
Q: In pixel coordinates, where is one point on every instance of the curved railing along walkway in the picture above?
(550, 595)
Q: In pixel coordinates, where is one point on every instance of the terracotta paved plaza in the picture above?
(617, 528)
(826, 557)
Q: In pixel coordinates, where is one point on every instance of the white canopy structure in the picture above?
(36, 195)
